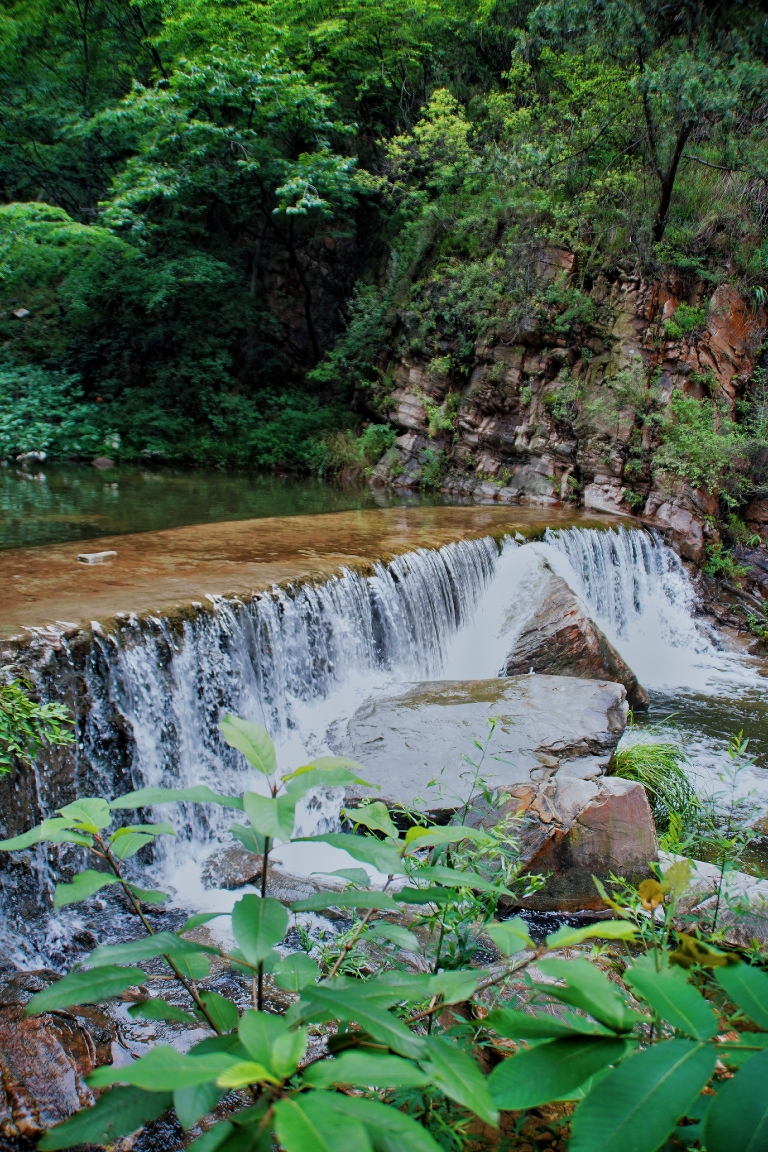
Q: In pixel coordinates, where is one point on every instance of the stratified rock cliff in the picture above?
(553, 410)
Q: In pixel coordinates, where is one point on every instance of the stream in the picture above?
(298, 660)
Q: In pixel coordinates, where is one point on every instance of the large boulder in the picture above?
(44, 1059)
(415, 745)
(559, 639)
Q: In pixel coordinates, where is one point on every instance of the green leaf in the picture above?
(35, 835)
(91, 813)
(295, 971)
(389, 1128)
(308, 1124)
(566, 937)
(161, 944)
(271, 816)
(511, 936)
(424, 896)
(452, 878)
(638, 1103)
(129, 845)
(357, 876)
(248, 838)
(270, 1041)
(148, 895)
(516, 1025)
(458, 1076)
(85, 884)
(213, 1138)
(336, 777)
(196, 1101)
(198, 919)
(242, 1074)
(150, 830)
(164, 1069)
(538, 1075)
(157, 1009)
(455, 986)
(252, 740)
(748, 988)
(587, 988)
(323, 1003)
(327, 764)
(417, 838)
(375, 817)
(395, 933)
(367, 1070)
(194, 965)
(222, 1011)
(737, 1118)
(258, 925)
(353, 899)
(674, 999)
(380, 855)
(150, 797)
(116, 1113)
(84, 988)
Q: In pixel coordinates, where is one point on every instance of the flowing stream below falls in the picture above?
(299, 660)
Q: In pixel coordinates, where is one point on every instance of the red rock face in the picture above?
(44, 1059)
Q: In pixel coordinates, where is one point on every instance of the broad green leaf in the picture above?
(424, 896)
(389, 1128)
(249, 839)
(367, 1070)
(148, 895)
(196, 1101)
(323, 1003)
(161, 944)
(537, 1075)
(161, 829)
(243, 1073)
(85, 884)
(84, 988)
(748, 988)
(374, 816)
(54, 831)
(639, 1102)
(258, 925)
(327, 764)
(193, 965)
(395, 933)
(221, 1011)
(307, 1124)
(198, 919)
(457, 985)
(150, 797)
(164, 1069)
(65, 836)
(587, 988)
(92, 813)
(516, 1025)
(270, 1042)
(271, 816)
(288, 1050)
(324, 778)
(511, 936)
(252, 740)
(118, 1112)
(213, 1138)
(457, 1075)
(566, 937)
(351, 899)
(417, 838)
(381, 855)
(674, 999)
(452, 878)
(129, 845)
(157, 1009)
(357, 876)
(295, 971)
(737, 1118)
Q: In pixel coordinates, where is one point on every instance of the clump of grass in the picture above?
(660, 766)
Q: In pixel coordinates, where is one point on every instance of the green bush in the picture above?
(700, 443)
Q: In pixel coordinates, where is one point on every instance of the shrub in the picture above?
(701, 444)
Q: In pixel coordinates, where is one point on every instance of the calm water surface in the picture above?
(52, 504)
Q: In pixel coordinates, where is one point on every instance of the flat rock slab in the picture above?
(544, 724)
(158, 571)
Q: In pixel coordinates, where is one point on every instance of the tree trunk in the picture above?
(668, 181)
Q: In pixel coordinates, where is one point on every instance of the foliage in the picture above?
(660, 766)
(635, 1054)
(702, 444)
(26, 726)
(721, 563)
(684, 319)
(356, 456)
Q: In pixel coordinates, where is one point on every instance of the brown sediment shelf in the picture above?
(154, 572)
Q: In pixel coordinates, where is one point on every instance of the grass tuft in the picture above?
(660, 766)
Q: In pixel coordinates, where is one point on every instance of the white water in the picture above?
(299, 660)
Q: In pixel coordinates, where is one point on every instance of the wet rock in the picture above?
(44, 1059)
(560, 639)
(542, 722)
(232, 867)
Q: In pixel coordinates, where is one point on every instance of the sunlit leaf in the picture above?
(252, 740)
(84, 885)
(129, 845)
(92, 813)
(381, 855)
(271, 816)
(242, 1074)
(150, 797)
(148, 895)
(164, 1069)
(375, 817)
(566, 937)
(198, 919)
